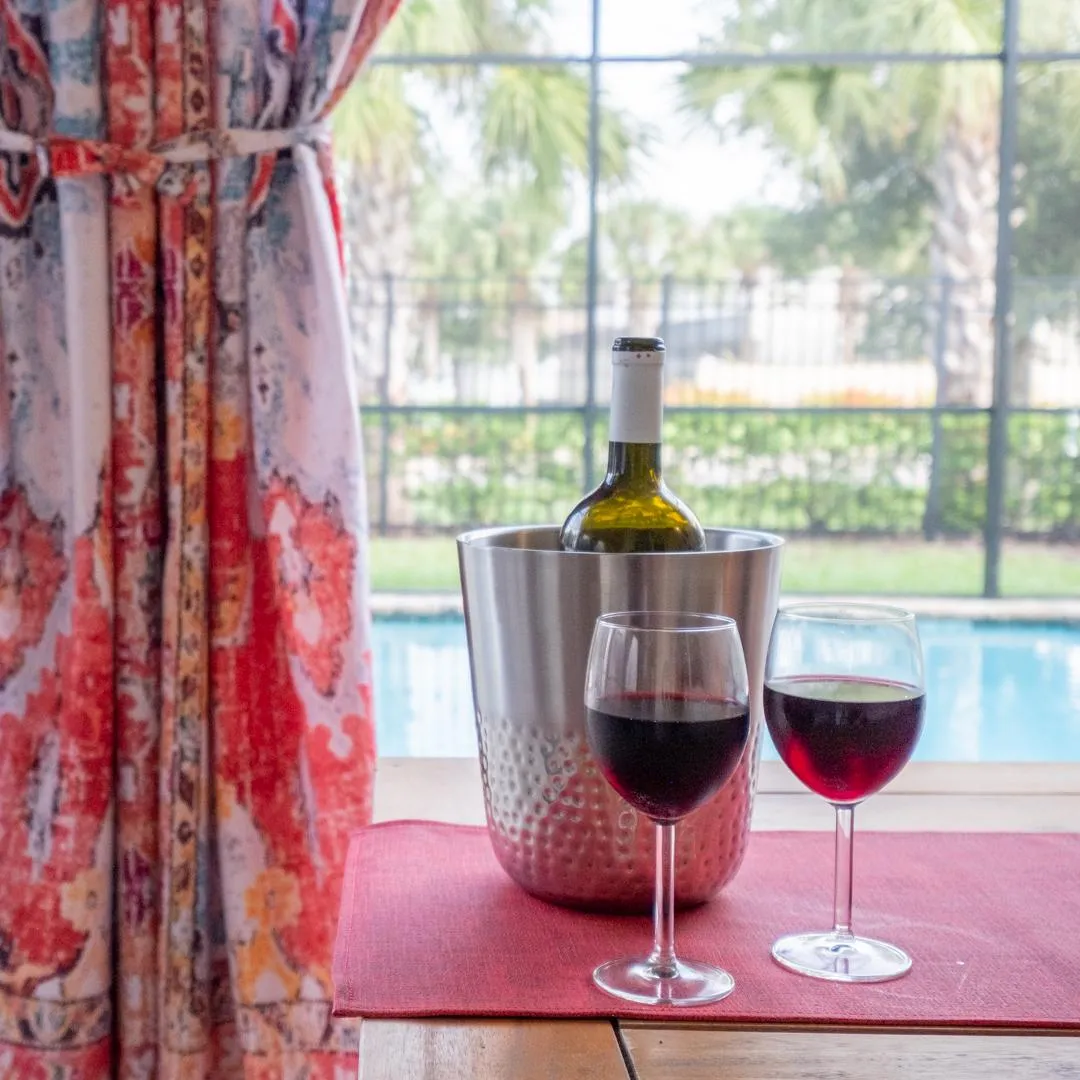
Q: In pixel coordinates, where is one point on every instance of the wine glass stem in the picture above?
(662, 959)
(845, 837)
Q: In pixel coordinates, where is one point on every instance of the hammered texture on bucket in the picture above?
(561, 831)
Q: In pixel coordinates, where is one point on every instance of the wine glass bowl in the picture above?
(844, 702)
(667, 721)
(855, 751)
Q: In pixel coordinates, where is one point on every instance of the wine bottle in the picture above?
(633, 510)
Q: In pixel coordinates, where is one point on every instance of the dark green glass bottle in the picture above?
(633, 510)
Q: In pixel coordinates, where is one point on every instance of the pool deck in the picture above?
(930, 796)
(1011, 609)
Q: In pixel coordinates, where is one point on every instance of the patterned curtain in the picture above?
(185, 693)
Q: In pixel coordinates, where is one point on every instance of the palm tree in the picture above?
(528, 130)
(533, 147)
(380, 137)
(944, 115)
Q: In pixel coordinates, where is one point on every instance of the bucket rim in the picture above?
(761, 540)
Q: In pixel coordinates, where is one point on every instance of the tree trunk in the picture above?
(964, 248)
(430, 318)
(525, 338)
(376, 212)
(641, 307)
(963, 252)
(852, 313)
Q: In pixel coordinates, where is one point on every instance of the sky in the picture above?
(688, 166)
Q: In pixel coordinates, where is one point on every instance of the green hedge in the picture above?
(815, 473)
(1043, 486)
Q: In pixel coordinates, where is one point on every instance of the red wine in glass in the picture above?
(667, 719)
(666, 755)
(844, 737)
(844, 704)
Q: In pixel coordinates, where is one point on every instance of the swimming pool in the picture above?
(996, 691)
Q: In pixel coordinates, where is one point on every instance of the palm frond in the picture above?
(948, 26)
(434, 26)
(376, 120)
(537, 119)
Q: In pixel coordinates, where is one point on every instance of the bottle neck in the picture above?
(637, 399)
(634, 463)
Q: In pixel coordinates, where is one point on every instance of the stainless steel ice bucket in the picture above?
(557, 828)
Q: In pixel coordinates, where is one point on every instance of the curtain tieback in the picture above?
(167, 164)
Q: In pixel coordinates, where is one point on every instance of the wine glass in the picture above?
(667, 717)
(844, 701)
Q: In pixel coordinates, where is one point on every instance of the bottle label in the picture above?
(637, 397)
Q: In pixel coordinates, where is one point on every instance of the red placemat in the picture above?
(432, 926)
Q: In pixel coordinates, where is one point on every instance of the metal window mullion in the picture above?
(1003, 307)
(592, 256)
(1043, 56)
(385, 439)
(709, 410)
(731, 59)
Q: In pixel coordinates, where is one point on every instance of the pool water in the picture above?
(996, 691)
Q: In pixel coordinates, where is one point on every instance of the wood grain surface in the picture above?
(490, 1050)
(685, 1054)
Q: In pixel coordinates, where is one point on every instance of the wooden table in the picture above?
(928, 797)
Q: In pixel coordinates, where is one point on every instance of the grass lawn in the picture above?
(429, 564)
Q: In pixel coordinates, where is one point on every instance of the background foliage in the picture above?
(464, 190)
(809, 473)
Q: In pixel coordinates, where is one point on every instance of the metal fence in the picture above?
(809, 406)
(813, 406)
(833, 338)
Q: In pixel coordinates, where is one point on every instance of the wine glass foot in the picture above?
(827, 955)
(636, 980)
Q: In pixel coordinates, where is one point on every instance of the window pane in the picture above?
(866, 478)
(1040, 569)
(456, 187)
(1046, 361)
(640, 27)
(830, 270)
(1042, 485)
(1043, 495)
(807, 236)
(432, 471)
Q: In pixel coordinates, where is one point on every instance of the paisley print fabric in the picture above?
(185, 691)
